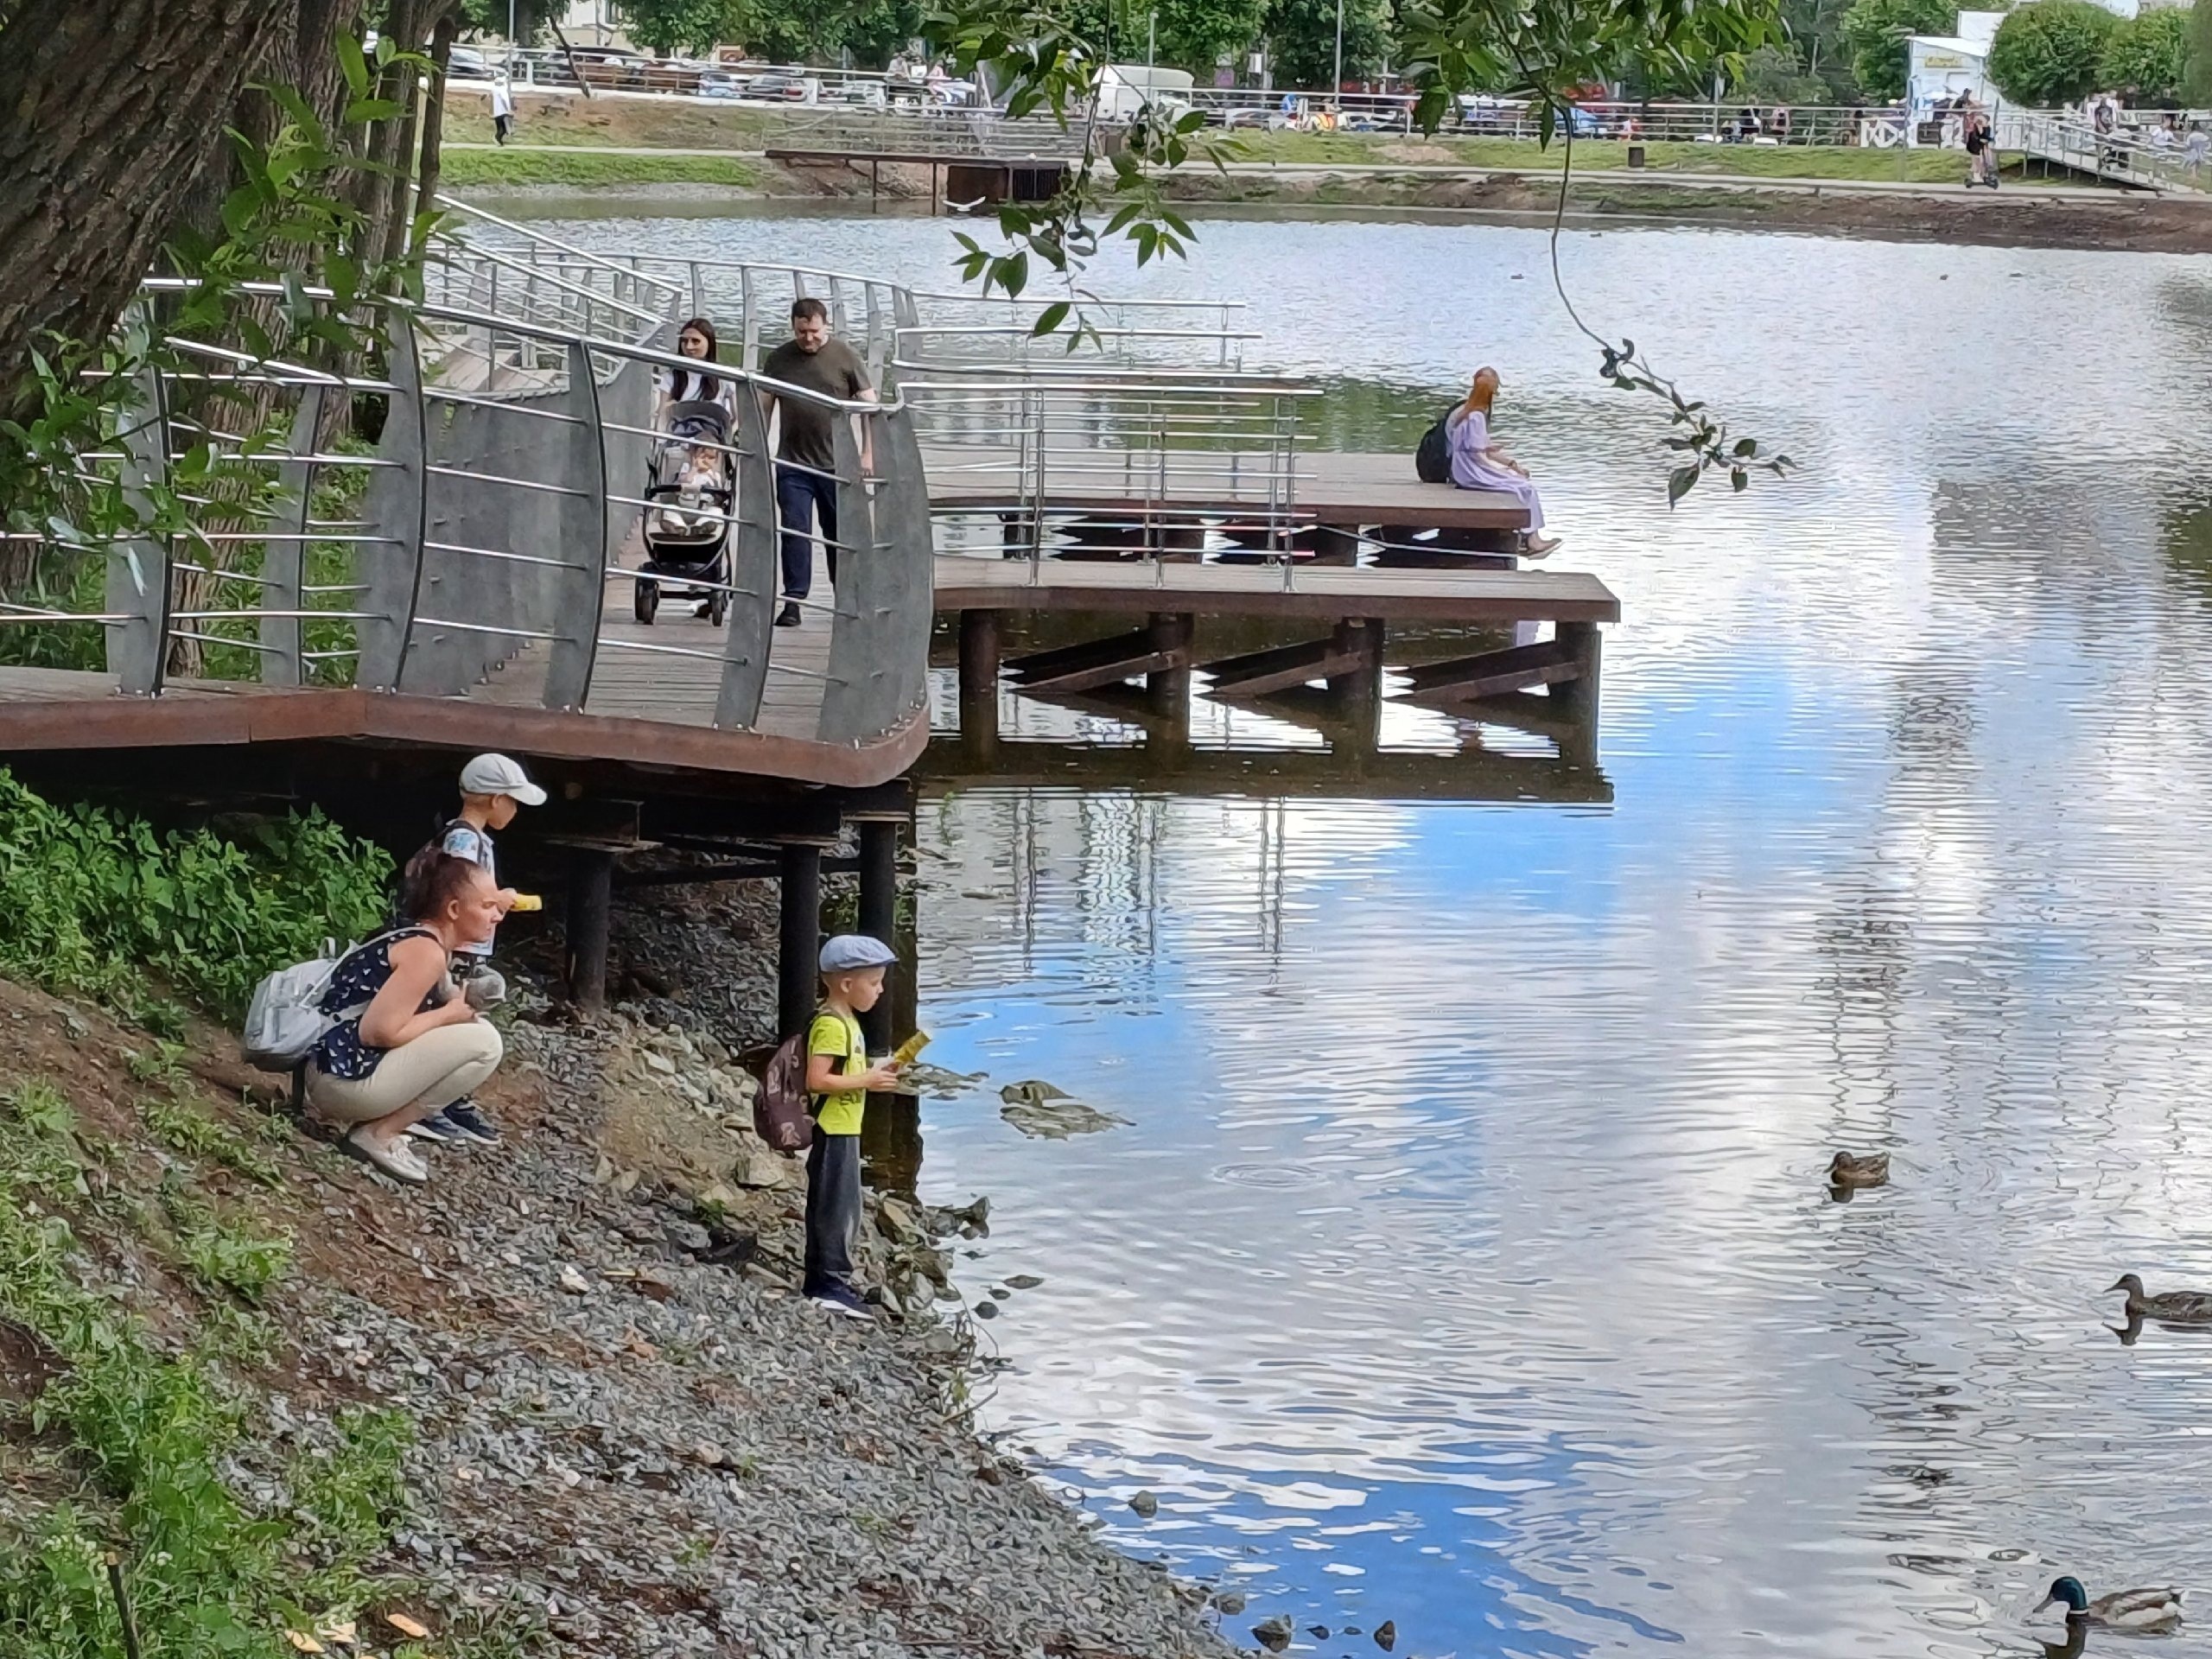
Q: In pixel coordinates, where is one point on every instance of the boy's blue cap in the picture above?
(849, 952)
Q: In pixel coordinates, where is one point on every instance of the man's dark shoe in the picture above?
(840, 1300)
(473, 1124)
(436, 1127)
(788, 617)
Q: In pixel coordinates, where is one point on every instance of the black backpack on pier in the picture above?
(1432, 458)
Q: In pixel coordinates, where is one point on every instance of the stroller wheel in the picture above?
(717, 607)
(647, 601)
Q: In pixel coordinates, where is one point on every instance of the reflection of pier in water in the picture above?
(1153, 752)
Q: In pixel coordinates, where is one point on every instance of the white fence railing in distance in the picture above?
(2152, 157)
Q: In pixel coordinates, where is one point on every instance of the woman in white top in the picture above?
(696, 338)
(1478, 464)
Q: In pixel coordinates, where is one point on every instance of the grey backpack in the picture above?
(285, 1021)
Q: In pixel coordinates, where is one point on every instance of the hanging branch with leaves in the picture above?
(1551, 53)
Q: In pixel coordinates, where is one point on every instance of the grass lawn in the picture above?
(1755, 161)
(466, 167)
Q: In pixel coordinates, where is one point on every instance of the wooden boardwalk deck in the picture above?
(1342, 490)
(646, 709)
(657, 683)
(1331, 594)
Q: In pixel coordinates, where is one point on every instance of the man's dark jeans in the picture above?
(833, 1211)
(800, 495)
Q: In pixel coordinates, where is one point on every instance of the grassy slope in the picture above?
(465, 168)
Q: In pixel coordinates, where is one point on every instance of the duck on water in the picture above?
(2146, 1611)
(2176, 1307)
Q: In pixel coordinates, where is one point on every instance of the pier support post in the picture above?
(1578, 698)
(1168, 690)
(1358, 691)
(591, 891)
(880, 916)
(979, 681)
(799, 933)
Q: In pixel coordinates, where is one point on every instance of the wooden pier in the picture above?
(1355, 606)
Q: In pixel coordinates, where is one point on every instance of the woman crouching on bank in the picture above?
(407, 1044)
(1478, 464)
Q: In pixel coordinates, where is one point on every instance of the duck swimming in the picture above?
(2179, 1306)
(2148, 1612)
(1851, 1169)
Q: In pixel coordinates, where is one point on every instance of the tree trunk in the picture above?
(434, 119)
(107, 131)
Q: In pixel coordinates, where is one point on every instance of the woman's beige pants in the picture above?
(433, 1071)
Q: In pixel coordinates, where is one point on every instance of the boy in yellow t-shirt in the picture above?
(839, 1076)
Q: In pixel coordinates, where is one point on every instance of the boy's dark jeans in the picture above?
(833, 1211)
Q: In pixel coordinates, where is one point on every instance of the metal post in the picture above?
(1337, 87)
(591, 887)
(879, 914)
(799, 934)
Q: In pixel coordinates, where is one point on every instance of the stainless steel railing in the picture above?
(471, 551)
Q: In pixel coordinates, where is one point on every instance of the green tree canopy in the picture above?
(1874, 33)
(2197, 82)
(682, 28)
(2051, 52)
(1302, 35)
(2148, 55)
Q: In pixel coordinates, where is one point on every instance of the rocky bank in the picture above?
(633, 1438)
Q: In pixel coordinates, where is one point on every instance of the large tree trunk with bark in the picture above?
(431, 169)
(105, 128)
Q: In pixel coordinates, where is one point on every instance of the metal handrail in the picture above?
(488, 535)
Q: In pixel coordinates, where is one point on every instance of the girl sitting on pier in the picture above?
(1478, 464)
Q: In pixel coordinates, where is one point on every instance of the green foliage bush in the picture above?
(147, 1429)
(2196, 81)
(92, 899)
(2051, 52)
(1874, 33)
(2148, 56)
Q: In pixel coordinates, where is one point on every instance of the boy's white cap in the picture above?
(848, 953)
(495, 774)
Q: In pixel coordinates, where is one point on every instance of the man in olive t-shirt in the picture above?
(806, 454)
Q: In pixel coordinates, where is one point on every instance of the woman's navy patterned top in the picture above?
(354, 985)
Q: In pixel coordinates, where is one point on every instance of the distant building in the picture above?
(1938, 67)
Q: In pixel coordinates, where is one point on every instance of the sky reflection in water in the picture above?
(1466, 1262)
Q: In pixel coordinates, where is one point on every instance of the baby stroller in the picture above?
(690, 492)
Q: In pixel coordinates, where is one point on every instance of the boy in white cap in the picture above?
(493, 788)
(839, 1076)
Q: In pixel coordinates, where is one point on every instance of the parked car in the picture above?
(778, 85)
(867, 94)
(721, 83)
(467, 63)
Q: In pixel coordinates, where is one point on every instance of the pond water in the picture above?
(1466, 1259)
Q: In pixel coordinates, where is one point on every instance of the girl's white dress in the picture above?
(1467, 435)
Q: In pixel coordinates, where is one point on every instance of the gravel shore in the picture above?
(666, 1456)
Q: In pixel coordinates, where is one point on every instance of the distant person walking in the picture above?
(806, 450)
(1478, 464)
(502, 110)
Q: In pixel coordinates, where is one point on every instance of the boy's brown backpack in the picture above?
(782, 1112)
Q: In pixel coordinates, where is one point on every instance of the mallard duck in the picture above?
(2145, 1610)
(1851, 1169)
(2177, 1307)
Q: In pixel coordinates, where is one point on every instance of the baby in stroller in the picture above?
(690, 484)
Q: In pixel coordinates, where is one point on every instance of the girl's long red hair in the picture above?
(1481, 394)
